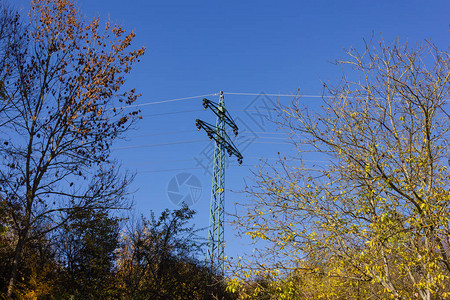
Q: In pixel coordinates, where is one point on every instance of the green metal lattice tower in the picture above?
(216, 243)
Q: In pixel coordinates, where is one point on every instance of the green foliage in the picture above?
(87, 243)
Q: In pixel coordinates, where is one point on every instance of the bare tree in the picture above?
(67, 110)
(11, 39)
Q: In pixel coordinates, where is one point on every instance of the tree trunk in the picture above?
(15, 265)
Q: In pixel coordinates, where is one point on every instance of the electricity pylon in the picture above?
(216, 243)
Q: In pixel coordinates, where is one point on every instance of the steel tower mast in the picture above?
(216, 244)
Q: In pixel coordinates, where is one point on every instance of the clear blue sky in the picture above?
(201, 47)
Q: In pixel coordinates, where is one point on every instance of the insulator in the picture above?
(235, 132)
(205, 103)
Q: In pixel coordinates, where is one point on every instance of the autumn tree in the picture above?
(158, 259)
(39, 268)
(68, 106)
(374, 220)
(11, 35)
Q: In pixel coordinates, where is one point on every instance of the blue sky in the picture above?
(201, 47)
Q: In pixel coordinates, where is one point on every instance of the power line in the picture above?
(157, 145)
(201, 168)
(191, 160)
(168, 100)
(183, 169)
(172, 113)
(278, 158)
(270, 137)
(163, 133)
(277, 95)
(272, 143)
(268, 132)
(194, 110)
(161, 162)
(228, 93)
(192, 131)
(260, 94)
(184, 142)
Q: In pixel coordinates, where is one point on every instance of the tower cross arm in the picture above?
(221, 111)
(224, 140)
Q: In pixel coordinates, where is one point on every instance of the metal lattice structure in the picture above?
(216, 243)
